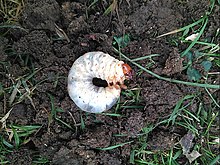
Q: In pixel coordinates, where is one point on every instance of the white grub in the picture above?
(84, 93)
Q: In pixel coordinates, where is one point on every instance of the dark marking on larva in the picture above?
(99, 82)
(111, 83)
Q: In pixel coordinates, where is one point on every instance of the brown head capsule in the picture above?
(127, 71)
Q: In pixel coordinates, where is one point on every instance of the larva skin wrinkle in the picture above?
(87, 96)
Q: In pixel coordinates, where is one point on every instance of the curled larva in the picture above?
(92, 66)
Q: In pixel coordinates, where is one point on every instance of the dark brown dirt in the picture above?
(38, 47)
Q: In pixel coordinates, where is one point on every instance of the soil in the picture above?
(85, 29)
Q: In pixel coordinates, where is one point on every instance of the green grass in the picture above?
(14, 136)
(18, 89)
(114, 146)
(169, 79)
(40, 160)
(207, 52)
(10, 10)
(54, 115)
(201, 123)
(202, 120)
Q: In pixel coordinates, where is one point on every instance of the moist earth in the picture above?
(55, 33)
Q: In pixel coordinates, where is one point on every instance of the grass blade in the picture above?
(169, 79)
(145, 57)
(196, 39)
(115, 146)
